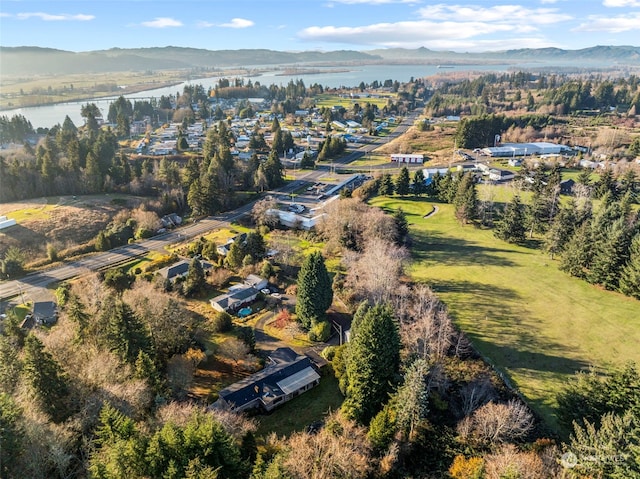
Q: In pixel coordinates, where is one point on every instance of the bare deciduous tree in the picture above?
(510, 462)
(376, 272)
(477, 393)
(340, 449)
(238, 351)
(427, 331)
(495, 423)
(262, 213)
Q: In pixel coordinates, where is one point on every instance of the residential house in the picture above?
(501, 175)
(223, 250)
(566, 186)
(43, 313)
(235, 299)
(256, 282)
(180, 269)
(286, 376)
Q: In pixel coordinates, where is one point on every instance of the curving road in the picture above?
(34, 284)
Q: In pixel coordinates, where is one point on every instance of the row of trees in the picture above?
(562, 94)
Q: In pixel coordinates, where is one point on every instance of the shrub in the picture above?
(282, 318)
(320, 331)
(463, 468)
(328, 353)
(52, 253)
(222, 322)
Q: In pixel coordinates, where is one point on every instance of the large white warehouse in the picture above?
(525, 149)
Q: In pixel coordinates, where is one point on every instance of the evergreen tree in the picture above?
(273, 170)
(412, 397)
(606, 184)
(511, 226)
(315, 294)
(447, 187)
(466, 200)
(537, 213)
(630, 275)
(76, 312)
(125, 334)
(46, 379)
(372, 364)
(403, 181)
(382, 428)
(11, 436)
(195, 279)
(235, 255)
(386, 185)
(576, 257)
(255, 246)
(402, 226)
(561, 230)
(9, 366)
(610, 255)
(418, 184)
(584, 178)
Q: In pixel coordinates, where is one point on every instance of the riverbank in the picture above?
(58, 89)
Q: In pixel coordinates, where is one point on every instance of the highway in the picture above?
(34, 284)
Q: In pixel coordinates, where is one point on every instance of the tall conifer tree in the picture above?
(314, 290)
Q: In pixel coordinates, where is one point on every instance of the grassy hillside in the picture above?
(532, 321)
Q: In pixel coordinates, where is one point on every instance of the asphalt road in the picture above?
(34, 285)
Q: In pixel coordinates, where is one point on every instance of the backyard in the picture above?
(536, 324)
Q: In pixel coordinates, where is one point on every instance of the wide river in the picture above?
(49, 115)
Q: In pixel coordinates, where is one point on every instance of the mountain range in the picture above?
(22, 61)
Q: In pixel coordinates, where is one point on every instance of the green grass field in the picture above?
(532, 321)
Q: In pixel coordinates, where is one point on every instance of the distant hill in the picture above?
(19, 61)
(601, 55)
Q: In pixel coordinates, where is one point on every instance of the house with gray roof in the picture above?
(287, 375)
(180, 269)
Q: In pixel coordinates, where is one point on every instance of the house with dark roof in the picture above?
(45, 312)
(180, 269)
(286, 376)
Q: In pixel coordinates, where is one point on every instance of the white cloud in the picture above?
(162, 22)
(405, 34)
(621, 3)
(48, 17)
(491, 45)
(238, 23)
(205, 24)
(4, 14)
(468, 27)
(617, 24)
(373, 2)
(504, 14)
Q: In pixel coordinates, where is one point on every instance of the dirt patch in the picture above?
(65, 223)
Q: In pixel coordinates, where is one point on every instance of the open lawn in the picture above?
(532, 321)
(329, 101)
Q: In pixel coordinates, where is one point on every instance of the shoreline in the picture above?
(93, 96)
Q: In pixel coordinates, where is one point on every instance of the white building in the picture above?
(525, 149)
(407, 158)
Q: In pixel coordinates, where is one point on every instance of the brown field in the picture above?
(64, 222)
(437, 144)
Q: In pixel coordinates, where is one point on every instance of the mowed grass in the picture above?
(533, 322)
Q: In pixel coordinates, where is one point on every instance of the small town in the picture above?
(306, 240)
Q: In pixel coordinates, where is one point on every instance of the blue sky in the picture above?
(296, 25)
